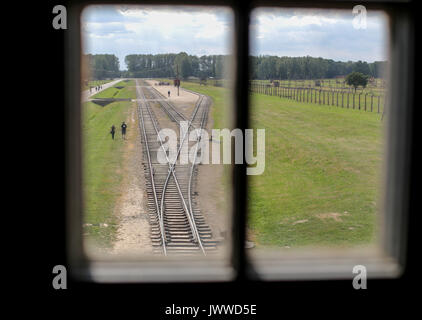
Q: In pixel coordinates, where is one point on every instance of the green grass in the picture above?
(95, 83)
(107, 93)
(102, 164)
(127, 82)
(320, 161)
(327, 84)
(127, 92)
(322, 173)
(341, 99)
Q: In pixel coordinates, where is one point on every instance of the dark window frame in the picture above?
(400, 135)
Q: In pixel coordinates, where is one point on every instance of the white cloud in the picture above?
(201, 31)
(169, 23)
(151, 30)
(325, 33)
(268, 24)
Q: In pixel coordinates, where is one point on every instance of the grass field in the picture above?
(320, 183)
(102, 162)
(126, 83)
(128, 91)
(375, 88)
(322, 174)
(95, 83)
(329, 84)
(361, 100)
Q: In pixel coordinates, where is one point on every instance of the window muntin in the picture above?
(397, 179)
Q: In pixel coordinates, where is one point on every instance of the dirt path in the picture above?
(133, 234)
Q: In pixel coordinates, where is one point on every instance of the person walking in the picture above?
(113, 131)
(123, 126)
(168, 93)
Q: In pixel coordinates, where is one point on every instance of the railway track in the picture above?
(177, 225)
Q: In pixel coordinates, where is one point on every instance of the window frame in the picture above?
(390, 263)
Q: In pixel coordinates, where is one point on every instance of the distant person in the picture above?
(90, 89)
(168, 93)
(123, 126)
(113, 131)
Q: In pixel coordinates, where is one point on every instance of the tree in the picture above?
(357, 79)
(102, 66)
(362, 67)
(262, 67)
(186, 68)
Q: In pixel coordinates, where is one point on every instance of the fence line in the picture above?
(342, 99)
(338, 98)
(332, 84)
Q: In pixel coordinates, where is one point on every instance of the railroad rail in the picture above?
(177, 225)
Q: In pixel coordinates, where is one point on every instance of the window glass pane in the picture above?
(156, 81)
(318, 87)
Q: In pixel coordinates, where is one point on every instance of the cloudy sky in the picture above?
(198, 31)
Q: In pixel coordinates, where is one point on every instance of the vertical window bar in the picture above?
(241, 94)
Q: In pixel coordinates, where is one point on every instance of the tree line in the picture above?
(172, 65)
(262, 67)
(102, 66)
(295, 68)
